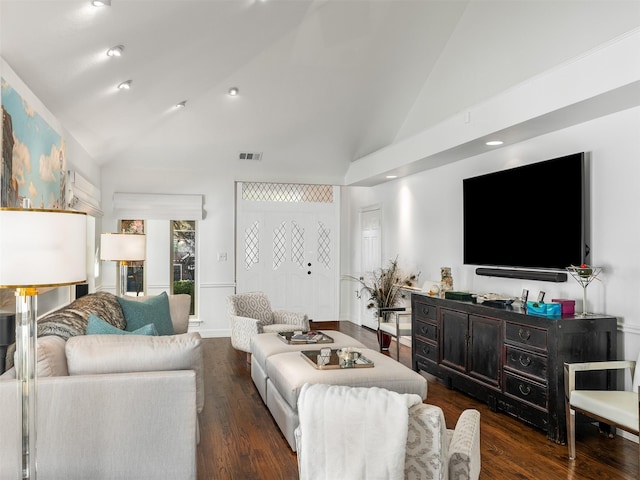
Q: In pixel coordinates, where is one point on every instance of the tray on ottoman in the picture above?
(266, 345)
(302, 338)
(333, 361)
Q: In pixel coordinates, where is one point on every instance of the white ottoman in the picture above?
(265, 345)
(287, 372)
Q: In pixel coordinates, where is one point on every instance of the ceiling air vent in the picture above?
(255, 156)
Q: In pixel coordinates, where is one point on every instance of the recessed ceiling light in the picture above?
(493, 143)
(115, 51)
(181, 104)
(392, 176)
(233, 91)
(101, 3)
(126, 85)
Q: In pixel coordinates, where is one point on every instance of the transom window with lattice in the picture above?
(287, 192)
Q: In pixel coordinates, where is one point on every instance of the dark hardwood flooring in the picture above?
(240, 440)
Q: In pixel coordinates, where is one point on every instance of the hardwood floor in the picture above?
(240, 440)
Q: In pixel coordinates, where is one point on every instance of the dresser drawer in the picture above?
(426, 330)
(526, 335)
(427, 350)
(424, 311)
(526, 363)
(526, 390)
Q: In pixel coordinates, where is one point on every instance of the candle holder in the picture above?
(584, 275)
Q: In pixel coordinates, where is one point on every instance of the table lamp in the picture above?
(123, 248)
(38, 248)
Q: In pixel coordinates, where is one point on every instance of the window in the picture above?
(183, 255)
(135, 270)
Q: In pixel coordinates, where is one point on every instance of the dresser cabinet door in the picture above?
(485, 349)
(455, 339)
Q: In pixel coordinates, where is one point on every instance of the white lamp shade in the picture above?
(42, 248)
(126, 247)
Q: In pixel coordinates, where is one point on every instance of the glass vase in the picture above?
(584, 275)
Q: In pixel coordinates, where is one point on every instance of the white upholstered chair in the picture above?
(330, 446)
(616, 408)
(251, 314)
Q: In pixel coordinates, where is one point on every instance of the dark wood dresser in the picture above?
(508, 358)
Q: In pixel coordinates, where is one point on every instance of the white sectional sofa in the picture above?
(113, 426)
(112, 406)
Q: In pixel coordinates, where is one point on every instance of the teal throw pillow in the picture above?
(97, 326)
(154, 310)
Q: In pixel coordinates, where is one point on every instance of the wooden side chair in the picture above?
(619, 409)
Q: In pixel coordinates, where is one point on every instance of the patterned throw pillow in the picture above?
(97, 326)
(153, 310)
(72, 319)
(252, 305)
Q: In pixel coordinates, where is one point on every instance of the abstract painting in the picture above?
(33, 157)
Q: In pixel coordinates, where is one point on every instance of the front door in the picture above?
(371, 261)
(287, 246)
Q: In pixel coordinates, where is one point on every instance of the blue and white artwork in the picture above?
(33, 159)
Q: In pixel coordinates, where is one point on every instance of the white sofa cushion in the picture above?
(93, 354)
(619, 406)
(51, 362)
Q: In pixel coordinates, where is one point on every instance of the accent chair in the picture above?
(612, 407)
(251, 314)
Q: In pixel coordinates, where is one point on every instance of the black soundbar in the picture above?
(524, 274)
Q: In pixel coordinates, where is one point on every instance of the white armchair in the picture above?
(332, 437)
(251, 314)
(616, 408)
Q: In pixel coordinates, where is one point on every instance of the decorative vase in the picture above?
(446, 280)
(384, 339)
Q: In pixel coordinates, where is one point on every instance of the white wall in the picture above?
(422, 218)
(508, 52)
(215, 234)
(76, 159)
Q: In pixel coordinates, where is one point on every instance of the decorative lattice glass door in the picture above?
(287, 245)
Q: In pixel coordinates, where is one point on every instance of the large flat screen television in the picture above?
(533, 216)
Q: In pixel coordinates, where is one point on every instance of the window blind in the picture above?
(158, 206)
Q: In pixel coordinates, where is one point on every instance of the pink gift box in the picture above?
(568, 306)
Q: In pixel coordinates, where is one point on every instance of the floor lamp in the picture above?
(123, 248)
(38, 248)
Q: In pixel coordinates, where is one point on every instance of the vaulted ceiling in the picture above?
(321, 82)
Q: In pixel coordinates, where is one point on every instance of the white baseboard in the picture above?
(212, 333)
(627, 435)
